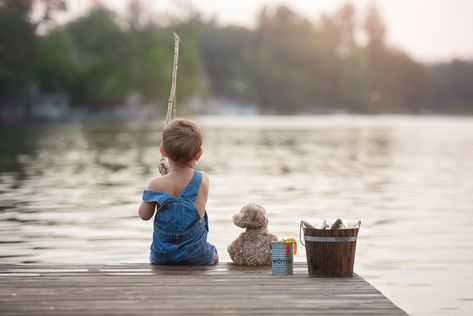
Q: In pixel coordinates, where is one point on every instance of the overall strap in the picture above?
(192, 189)
(162, 198)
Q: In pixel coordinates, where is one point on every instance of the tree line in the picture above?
(285, 64)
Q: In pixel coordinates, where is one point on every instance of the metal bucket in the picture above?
(282, 258)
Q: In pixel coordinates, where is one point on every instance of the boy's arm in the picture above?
(203, 194)
(146, 210)
(205, 185)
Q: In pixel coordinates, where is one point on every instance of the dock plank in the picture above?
(142, 289)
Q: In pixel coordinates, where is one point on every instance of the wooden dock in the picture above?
(143, 289)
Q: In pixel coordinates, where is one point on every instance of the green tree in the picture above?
(102, 57)
(287, 64)
(56, 63)
(17, 50)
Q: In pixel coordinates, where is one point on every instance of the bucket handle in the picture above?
(300, 233)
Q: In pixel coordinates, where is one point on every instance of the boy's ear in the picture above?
(162, 150)
(199, 154)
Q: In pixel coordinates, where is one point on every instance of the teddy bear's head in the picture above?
(251, 216)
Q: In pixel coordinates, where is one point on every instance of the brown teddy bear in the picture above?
(252, 247)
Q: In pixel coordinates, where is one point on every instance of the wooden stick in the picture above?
(172, 96)
(172, 100)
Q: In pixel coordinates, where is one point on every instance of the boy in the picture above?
(181, 222)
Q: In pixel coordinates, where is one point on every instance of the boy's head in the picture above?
(182, 140)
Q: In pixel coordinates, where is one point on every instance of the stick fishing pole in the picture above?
(171, 112)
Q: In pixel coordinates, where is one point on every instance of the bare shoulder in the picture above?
(157, 184)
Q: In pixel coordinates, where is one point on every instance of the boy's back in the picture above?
(175, 184)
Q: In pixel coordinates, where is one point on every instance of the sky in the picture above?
(428, 30)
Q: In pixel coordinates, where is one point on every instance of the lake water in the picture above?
(70, 193)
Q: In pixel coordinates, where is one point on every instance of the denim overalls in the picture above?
(180, 234)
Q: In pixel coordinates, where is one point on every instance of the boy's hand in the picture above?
(163, 166)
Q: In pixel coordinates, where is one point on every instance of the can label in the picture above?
(282, 260)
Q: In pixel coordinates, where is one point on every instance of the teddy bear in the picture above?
(252, 247)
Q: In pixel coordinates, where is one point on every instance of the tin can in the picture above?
(282, 258)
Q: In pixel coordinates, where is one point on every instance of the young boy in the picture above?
(180, 196)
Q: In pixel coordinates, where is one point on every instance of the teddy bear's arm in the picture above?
(235, 249)
(273, 237)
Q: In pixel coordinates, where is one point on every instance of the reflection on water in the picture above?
(70, 193)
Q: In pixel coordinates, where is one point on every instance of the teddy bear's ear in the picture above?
(260, 218)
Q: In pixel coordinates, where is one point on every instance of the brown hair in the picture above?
(182, 140)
